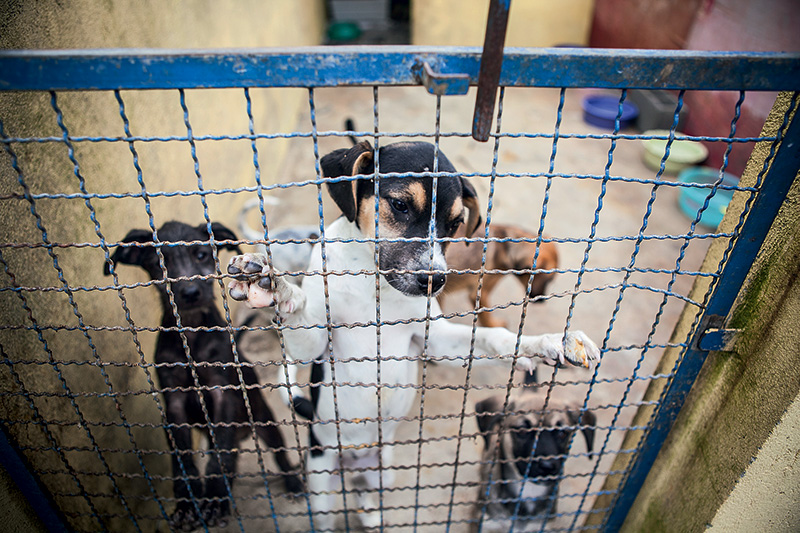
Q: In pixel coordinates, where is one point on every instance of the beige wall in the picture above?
(531, 24)
(766, 497)
(108, 167)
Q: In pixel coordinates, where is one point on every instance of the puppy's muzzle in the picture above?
(189, 293)
(437, 280)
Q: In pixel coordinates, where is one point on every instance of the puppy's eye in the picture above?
(201, 255)
(399, 205)
(452, 227)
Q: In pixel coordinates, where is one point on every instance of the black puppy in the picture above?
(217, 386)
(524, 480)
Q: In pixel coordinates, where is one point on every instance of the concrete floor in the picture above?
(570, 213)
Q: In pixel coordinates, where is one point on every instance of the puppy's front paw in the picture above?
(185, 518)
(576, 348)
(257, 285)
(215, 512)
(580, 350)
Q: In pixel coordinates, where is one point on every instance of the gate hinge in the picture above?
(714, 337)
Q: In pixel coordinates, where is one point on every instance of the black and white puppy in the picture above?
(411, 272)
(187, 254)
(519, 483)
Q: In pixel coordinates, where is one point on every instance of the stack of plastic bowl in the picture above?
(682, 153)
(601, 110)
(691, 199)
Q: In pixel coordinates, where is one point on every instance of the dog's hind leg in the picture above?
(271, 435)
(323, 485)
(487, 319)
(374, 480)
(187, 486)
(221, 467)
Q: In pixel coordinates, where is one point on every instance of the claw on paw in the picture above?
(581, 351)
(238, 290)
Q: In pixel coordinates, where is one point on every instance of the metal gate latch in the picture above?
(440, 84)
(714, 337)
(719, 340)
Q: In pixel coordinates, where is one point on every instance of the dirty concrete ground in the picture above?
(570, 212)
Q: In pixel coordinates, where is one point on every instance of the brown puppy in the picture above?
(500, 257)
(518, 482)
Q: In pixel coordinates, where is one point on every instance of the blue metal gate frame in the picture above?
(353, 66)
(452, 71)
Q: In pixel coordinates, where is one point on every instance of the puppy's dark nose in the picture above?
(190, 293)
(548, 467)
(437, 281)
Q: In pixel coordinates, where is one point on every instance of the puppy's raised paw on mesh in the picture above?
(260, 286)
(554, 349)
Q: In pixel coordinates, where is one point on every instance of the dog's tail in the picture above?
(350, 127)
(531, 378)
(293, 395)
(244, 228)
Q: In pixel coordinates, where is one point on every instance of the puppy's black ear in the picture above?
(222, 233)
(488, 415)
(470, 199)
(133, 255)
(588, 420)
(348, 162)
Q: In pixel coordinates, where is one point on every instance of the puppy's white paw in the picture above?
(581, 350)
(525, 364)
(368, 513)
(576, 349)
(257, 285)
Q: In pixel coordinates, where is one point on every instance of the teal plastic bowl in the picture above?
(691, 199)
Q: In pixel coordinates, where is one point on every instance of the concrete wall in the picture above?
(530, 23)
(743, 406)
(109, 167)
(656, 24)
(731, 25)
(738, 25)
(765, 498)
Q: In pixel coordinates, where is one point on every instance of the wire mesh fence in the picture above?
(144, 397)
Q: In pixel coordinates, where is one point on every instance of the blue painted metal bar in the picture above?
(394, 65)
(778, 180)
(21, 473)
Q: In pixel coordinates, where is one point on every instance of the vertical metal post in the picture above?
(21, 472)
(491, 65)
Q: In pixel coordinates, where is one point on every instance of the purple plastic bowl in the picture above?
(601, 110)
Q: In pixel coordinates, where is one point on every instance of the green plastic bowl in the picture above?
(682, 154)
(340, 32)
(691, 199)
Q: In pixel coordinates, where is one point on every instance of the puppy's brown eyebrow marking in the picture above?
(417, 195)
(457, 209)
